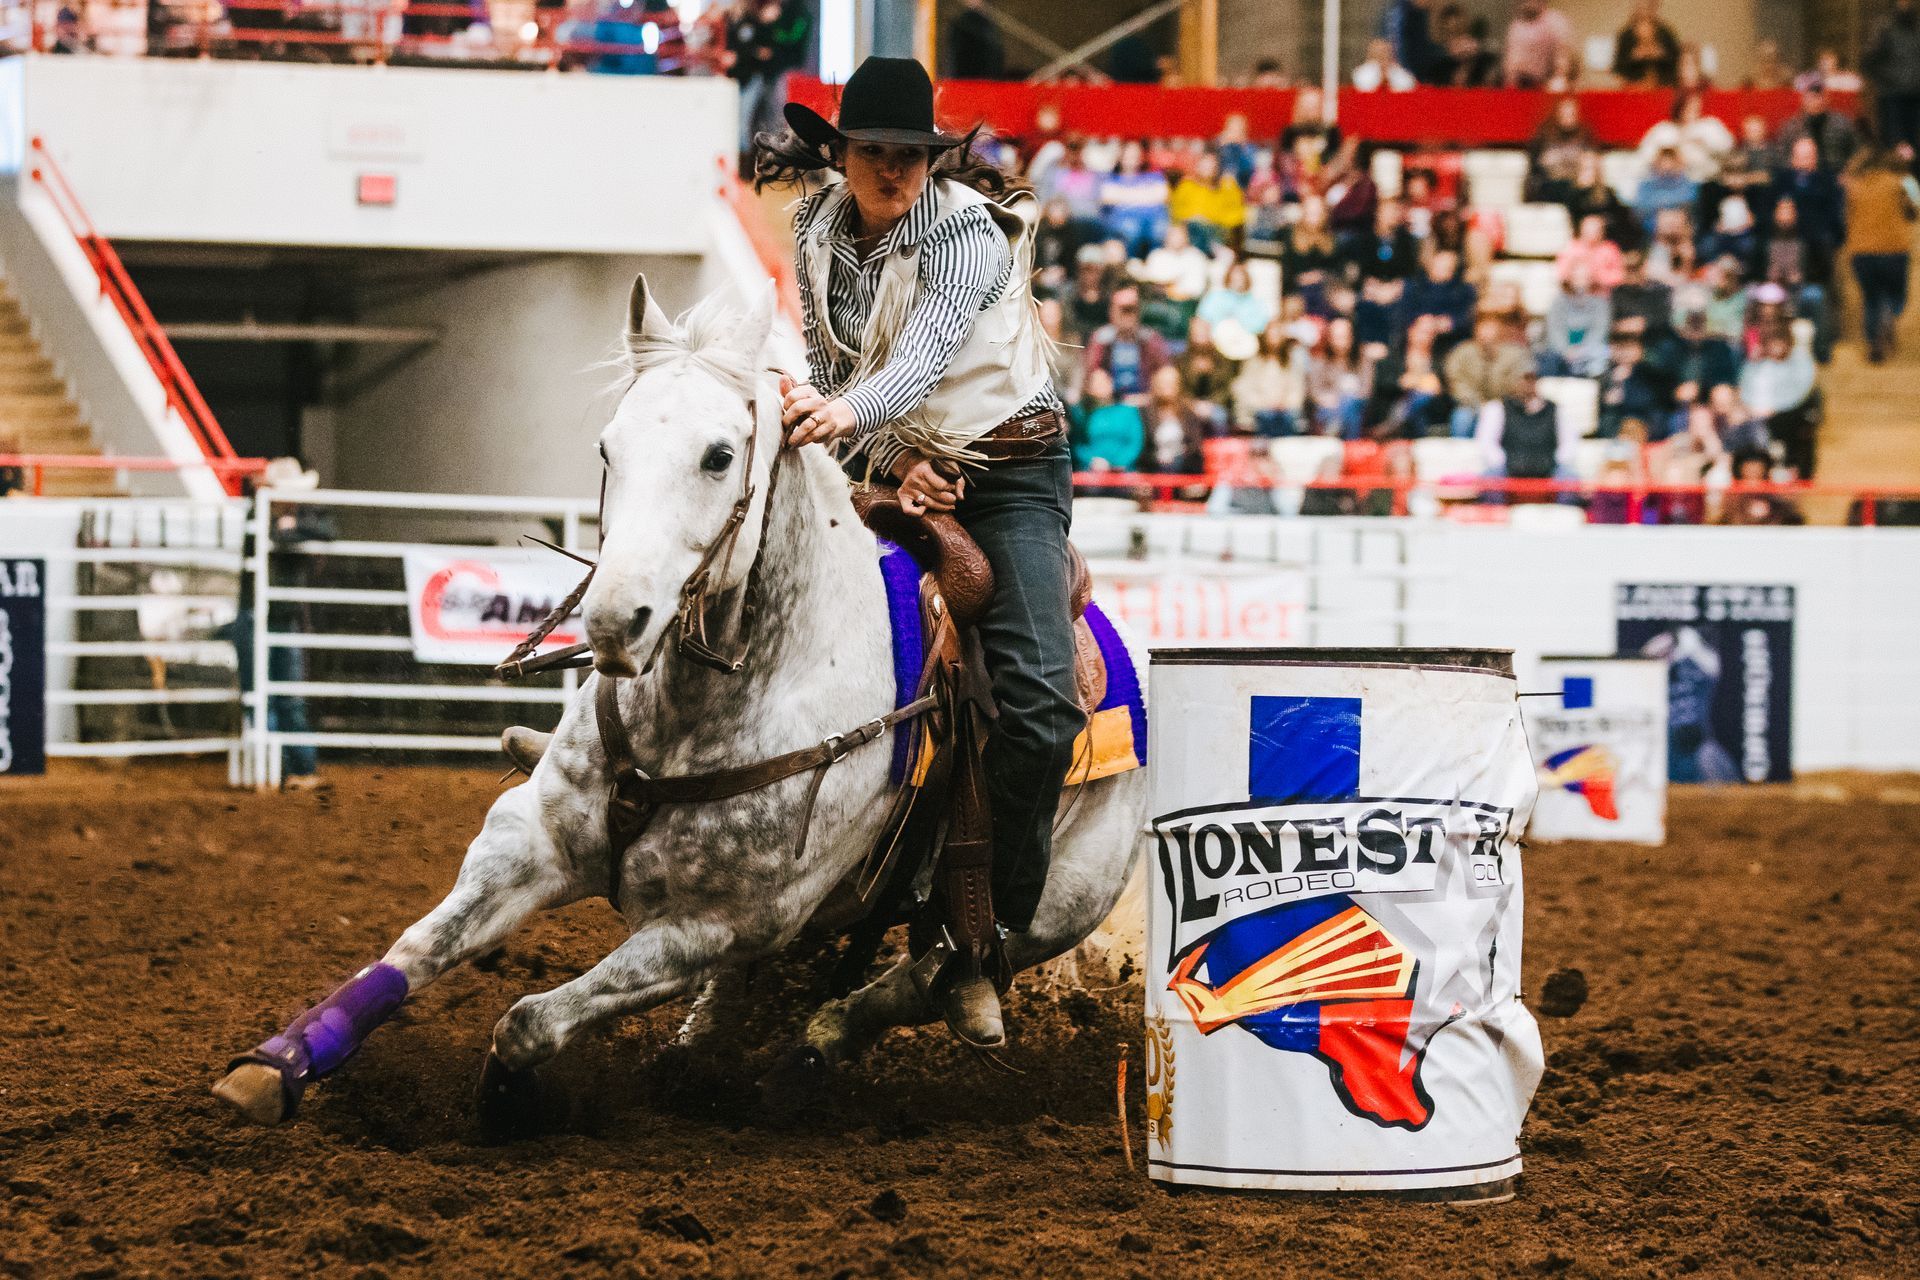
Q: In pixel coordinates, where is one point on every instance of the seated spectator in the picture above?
(1088, 300)
(1078, 187)
(1270, 391)
(1209, 204)
(1769, 70)
(1339, 381)
(1553, 169)
(1641, 303)
(1265, 178)
(1755, 467)
(1409, 397)
(1778, 387)
(1578, 321)
(1308, 145)
(1265, 235)
(1748, 169)
(1471, 61)
(1595, 196)
(1725, 306)
(1726, 424)
(1418, 202)
(1646, 53)
(1702, 142)
(1482, 371)
(1057, 242)
(1308, 254)
(1734, 235)
(1107, 436)
(1819, 207)
(1238, 156)
(1831, 132)
(1620, 473)
(1176, 435)
(1128, 352)
(1635, 397)
(1521, 437)
(1206, 377)
(1381, 70)
(1677, 472)
(1666, 186)
(1442, 294)
(1836, 78)
(1133, 202)
(1387, 251)
(1233, 299)
(1353, 198)
(1452, 233)
(1696, 360)
(1671, 258)
(1178, 266)
(1537, 38)
(1590, 251)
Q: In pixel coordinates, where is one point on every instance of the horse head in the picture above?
(688, 454)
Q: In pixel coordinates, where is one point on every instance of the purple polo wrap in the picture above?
(326, 1035)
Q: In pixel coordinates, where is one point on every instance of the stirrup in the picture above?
(941, 965)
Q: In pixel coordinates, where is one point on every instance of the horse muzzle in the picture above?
(617, 639)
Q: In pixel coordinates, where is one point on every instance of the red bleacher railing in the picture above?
(1163, 489)
(753, 222)
(36, 465)
(183, 397)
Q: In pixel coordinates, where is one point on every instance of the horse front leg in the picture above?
(511, 870)
(663, 960)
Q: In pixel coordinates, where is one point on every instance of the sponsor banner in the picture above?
(1598, 729)
(1187, 604)
(1729, 656)
(23, 666)
(473, 605)
(1334, 926)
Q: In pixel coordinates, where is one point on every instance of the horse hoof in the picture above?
(508, 1100)
(255, 1091)
(796, 1080)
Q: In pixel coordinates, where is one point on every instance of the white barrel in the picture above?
(1598, 728)
(1333, 979)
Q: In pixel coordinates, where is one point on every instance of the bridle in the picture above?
(690, 626)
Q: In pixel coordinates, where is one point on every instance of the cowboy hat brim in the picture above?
(816, 130)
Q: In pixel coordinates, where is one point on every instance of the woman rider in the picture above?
(930, 370)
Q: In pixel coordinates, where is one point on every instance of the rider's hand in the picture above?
(923, 488)
(810, 417)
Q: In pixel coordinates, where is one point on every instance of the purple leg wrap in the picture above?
(326, 1035)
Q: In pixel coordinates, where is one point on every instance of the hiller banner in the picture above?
(1729, 656)
(1334, 921)
(23, 666)
(471, 605)
(1598, 729)
(1181, 603)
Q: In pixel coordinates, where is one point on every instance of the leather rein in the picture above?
(634, 796)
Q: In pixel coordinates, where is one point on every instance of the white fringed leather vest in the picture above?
(1001, 366)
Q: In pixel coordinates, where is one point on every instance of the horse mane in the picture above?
(701, 337)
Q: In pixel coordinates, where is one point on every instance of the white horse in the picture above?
(715, 884)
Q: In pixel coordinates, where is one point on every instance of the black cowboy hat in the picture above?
(884, 100)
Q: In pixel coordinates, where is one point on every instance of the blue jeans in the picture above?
(1344, 419)
(284, 714)
(1268, 423)
(1463, 421)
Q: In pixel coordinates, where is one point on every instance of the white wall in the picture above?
(270, 153)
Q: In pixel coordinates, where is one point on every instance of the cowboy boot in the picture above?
(524, 747)
(972, 1010)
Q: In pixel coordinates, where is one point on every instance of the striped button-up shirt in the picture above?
(965, 267)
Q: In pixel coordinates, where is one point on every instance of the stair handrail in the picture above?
(183, 396)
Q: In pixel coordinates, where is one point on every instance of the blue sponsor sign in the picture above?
(23, 666)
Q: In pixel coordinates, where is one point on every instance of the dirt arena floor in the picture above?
(1739, 1095)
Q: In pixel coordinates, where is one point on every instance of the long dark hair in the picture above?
(781, 159)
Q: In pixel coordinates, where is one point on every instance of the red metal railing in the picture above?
(753, 222)
(183, 397)
(1162, 490)
(36, 465)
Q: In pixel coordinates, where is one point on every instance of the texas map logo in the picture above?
(1268, 938)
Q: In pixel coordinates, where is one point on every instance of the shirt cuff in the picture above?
(869, 413)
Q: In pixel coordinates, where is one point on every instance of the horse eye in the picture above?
(718, 458)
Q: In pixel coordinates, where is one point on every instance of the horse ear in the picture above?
(750, 339)
(644, 317)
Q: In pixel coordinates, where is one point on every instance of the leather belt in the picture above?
(1030, 435)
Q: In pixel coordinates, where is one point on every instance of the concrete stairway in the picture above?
(37, 413)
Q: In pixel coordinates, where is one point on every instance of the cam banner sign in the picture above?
(1188, 604)
(1598, 732)
(1729, 656)
(23, 666)
(473, 605)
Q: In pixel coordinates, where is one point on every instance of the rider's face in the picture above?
(885, 179)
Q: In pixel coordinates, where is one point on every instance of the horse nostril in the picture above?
(638, 627)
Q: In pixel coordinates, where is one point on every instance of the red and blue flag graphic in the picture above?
(1586, 771)
(1319, 976)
